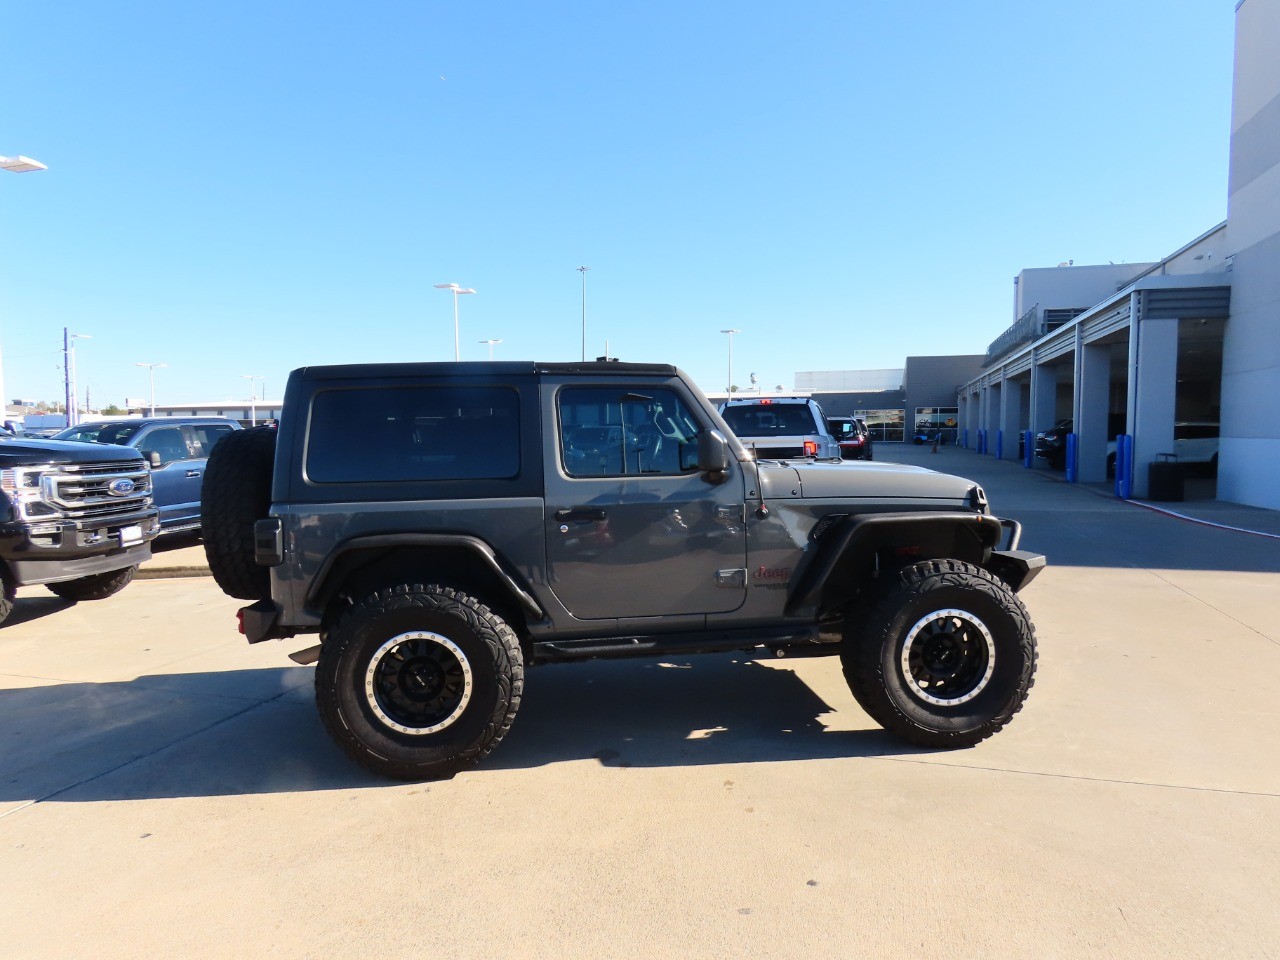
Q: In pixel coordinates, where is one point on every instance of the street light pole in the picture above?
(151, 375)
(457, 351)
(253, 397)
(729, 388)
(583, 271)
(490, 342)
(14, 165)
(69, 372)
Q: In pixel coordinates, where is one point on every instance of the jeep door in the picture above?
(633, 528)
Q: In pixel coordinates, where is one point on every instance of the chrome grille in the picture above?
(82, 491)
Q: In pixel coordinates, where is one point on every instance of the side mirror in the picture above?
(153, 458)
(713, 454)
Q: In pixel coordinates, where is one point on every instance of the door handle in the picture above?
(193, 473)
(581, 513)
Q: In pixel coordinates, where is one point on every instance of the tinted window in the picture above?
(414, 433)
(613, 432)
(118, 433)
(166, 441)
(207, 435)
(770, 419)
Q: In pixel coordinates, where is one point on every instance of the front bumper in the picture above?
(55, 550)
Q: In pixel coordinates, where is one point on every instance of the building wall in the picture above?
(844, 380)
(1249, 457)
(1063, 287)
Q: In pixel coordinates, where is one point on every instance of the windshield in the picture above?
(118, 433)
(770, 420)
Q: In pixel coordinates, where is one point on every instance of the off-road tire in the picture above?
(236, 494)
(97, 586)
(962, 600)
(8, 590)
(460, 630)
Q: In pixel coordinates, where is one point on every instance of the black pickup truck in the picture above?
(76, 517)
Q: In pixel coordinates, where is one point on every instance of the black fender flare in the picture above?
(319, 584)
(862, 533)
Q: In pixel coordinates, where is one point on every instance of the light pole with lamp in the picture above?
(69, 372)
(583, 271)
(457, 290)
(729, 389)
(490, 342)
(14, 165)
(253, 398)
(151, 375)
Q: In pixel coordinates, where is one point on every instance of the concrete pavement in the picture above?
(167, 790)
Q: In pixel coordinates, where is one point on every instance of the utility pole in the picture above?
(583, 271)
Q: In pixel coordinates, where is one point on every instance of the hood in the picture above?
(20, 452)
(863, 480)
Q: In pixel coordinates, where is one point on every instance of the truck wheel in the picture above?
(237, 493)
(98, 586)
(946, 658)
(416, 682)
(8, 590)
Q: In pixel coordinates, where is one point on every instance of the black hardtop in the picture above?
(486, 369)
(19, 452)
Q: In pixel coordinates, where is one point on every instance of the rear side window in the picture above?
(770, 419)
(207, 435)
(414, 433)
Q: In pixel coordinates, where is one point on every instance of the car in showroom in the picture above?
(175, 448)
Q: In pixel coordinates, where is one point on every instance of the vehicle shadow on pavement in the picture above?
(256, 731)
(26, 609)
(682, 711)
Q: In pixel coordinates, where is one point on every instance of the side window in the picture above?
(626, 431)
(207, 435)
(167, 442)
(376, 435)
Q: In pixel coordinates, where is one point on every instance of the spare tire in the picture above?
(236, 493)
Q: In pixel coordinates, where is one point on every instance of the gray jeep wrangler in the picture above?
(443, 527)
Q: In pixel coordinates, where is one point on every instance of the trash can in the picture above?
(1164, 478)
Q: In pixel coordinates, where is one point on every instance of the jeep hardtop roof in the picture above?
(362, 371)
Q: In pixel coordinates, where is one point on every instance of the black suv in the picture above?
(853, 436)
(495, 516)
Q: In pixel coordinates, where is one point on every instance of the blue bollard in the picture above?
(1124, 466)
(1073, 443)
(965, 435)
(999, 444)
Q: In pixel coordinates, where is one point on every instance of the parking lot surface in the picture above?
(167, 790)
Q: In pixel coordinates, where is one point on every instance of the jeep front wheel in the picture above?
(416, 682)
(946, 658)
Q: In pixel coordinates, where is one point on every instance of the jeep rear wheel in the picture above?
(236, 494)
(417, 682)
(946, 658)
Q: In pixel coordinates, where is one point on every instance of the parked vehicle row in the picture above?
(78, 512)
(1195, 444)
(175, 448)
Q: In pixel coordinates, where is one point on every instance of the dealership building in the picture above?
(1147, 351)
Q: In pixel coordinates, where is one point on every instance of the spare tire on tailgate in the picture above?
(236, 493)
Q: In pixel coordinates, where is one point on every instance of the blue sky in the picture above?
(244, 188)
